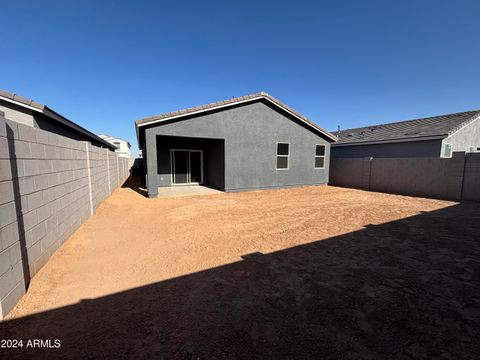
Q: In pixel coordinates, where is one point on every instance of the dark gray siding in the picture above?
(251, 133)
(427, 148)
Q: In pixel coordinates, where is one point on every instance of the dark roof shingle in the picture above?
(410, 129)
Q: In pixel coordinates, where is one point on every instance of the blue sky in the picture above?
(104, 64)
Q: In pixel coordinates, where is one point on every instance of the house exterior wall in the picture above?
(123, 147)
(251, 133)
(463, 139)
(427, 148)
(16, 113)
(38, 120)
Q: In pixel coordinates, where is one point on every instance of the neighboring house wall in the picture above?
(251, 133)
(36, 119)
(466, 137)
(49, 185)
(455, 178)
(427, 148)
(17, 113)
(123, 147)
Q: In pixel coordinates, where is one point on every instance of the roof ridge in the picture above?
(466, 122)
(233, 101)
(410, 120)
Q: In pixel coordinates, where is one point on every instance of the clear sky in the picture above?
(105, 64)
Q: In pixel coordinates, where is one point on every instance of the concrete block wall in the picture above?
(99, 174)
(471, 183)
(413, 176)
(49, 185)
(347, 172)
(456, 178)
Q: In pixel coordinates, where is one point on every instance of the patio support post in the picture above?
(152, 181)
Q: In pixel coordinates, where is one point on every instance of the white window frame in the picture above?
(445, 150)
(320, 156)
(287, 156)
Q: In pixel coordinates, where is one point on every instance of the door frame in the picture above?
(172, 167)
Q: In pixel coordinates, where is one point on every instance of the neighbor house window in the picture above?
(448, 150)
(319, 156)
(283, 152)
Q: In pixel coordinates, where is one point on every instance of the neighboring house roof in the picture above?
(411, 130)
(51, 114)
(233, 101)
(112, 138)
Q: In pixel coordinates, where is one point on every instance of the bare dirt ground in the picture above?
(306, 273)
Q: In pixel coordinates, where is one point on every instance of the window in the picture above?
(117, 144)
(448, 150)
(319, 156)
(283, 152)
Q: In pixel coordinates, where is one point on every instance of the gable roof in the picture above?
(229, 102)
(52, 115)
(411, 130)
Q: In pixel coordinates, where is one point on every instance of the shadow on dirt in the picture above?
(136, 184)
(400, 290)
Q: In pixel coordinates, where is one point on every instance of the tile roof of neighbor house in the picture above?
(233, 101)
(436, 126)
(53, 115)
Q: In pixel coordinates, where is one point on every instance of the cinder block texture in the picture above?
(471, 184)
(347, 173)
(454, 178)
(44, 198)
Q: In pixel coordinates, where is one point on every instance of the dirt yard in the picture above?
(307, 273)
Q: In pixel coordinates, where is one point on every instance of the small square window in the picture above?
(319, 162)
(320, 150)
(282, 162)
(282, 149)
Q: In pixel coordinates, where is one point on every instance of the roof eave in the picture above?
(141, 123)
(464, 124)
(389, 141)
(70, 124)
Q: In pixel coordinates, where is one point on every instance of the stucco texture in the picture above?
(250, 133)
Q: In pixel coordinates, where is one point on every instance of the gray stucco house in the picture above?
(29, 112)
(250, 142)
(437, 136)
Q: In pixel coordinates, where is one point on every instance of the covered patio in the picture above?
(187, 161)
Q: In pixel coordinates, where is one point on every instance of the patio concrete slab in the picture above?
(187, 190)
